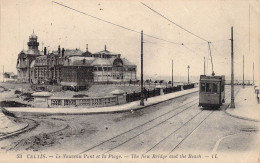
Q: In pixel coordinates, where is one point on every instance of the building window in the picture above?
(99, 68)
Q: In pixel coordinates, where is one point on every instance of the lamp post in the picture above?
(142, 89)
(232, 105)
(188, 74)
(172, 73)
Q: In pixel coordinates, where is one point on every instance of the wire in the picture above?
(174, 23)
(217, 50)
(189, 49)
(116, 24)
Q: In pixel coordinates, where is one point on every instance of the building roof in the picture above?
(69, 52)
(9, 73)
(127, 63)
(101, 62)
(87, 53)
(31, 52)
(33, 35)
(117, 92)
(42, 94)
(73, 52)
(110, 61)
(79, 61)
(105, 52)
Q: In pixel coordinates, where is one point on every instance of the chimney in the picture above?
(63, 50)
(86, 47)
(59, 50)
(45, 51)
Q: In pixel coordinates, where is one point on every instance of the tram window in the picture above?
(202, 87)
(211, 87)
(215, 87)
(208, 87)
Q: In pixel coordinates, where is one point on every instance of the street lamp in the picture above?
(188, 74)
(142, 89)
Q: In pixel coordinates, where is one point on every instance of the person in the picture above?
(145, 94)
(257, 95)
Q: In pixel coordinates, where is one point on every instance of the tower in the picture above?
(33, 44)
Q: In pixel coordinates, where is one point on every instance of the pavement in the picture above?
(98, 110)
(246, 105)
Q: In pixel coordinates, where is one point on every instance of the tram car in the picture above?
(211, 91)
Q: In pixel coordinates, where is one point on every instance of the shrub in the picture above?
(17, 92)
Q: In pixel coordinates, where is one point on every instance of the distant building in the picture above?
(10, 75)
(72, 68)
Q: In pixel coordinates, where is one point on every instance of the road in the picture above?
(169, 127)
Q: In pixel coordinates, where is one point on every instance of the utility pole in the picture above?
(253, 73)
(142, 90)
(204, 67)
(172, 73)
(188, 74)
(3, 73)
(243, 74)
(232, 72)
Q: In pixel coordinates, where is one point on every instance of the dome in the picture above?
(33, 35)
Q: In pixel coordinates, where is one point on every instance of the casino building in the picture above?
(100, 67)
(72, 68)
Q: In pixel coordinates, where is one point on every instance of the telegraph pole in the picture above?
(3, 73)
(243, 74)
(232, 72)
(172, 73)
(188, 74)
(253, 73)
(142, 90)
(204, 67)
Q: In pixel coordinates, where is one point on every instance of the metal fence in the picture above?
(135, 96)
(188, 86)
(171, 89)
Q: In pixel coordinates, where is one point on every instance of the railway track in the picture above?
(30, 125)
(185, 124)
(146, 123)
(117, 141)
(38, 136)
(114, 140)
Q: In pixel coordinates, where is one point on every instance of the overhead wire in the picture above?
(151, 36)
(184, 30)
(174, 22)
(109, 22)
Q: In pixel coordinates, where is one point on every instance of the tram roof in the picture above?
(205, 77)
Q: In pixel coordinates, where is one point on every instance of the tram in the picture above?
(211, 91)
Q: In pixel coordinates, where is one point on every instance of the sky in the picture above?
(211, 20)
